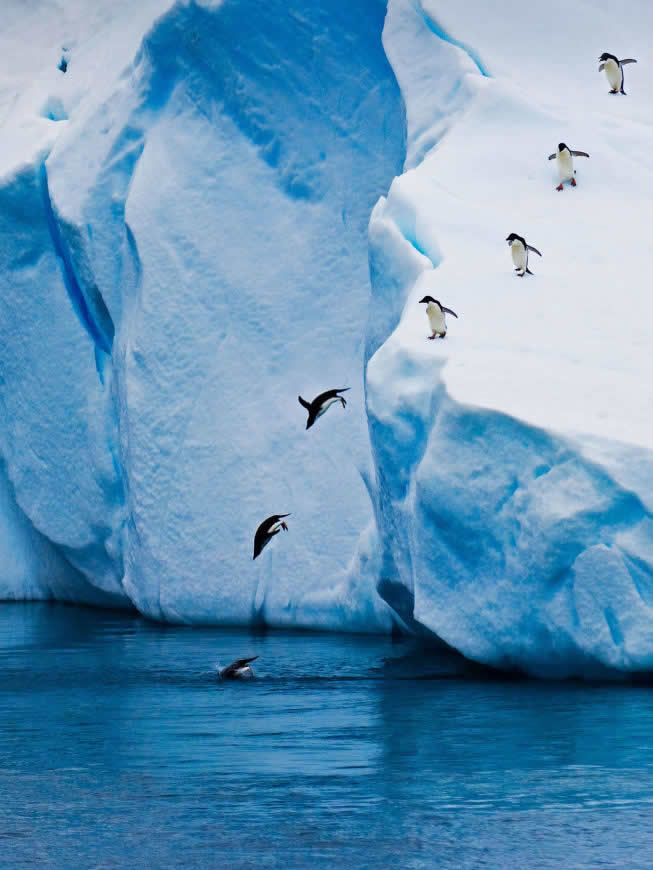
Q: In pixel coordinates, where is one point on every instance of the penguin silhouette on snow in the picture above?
(321, 403)
(435, 312)
(614, 72)
(519, 250)
(267, 530)
(564, 157)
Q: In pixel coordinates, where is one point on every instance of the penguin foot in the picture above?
(614, 91)
(431, 337)
(573, 182)
(559, 187)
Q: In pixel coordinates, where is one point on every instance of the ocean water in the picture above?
(119, 748)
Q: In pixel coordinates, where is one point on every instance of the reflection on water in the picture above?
(118, 747)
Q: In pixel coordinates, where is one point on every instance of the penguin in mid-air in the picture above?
(267, 530)
(238, 670)
(436, 313)
(519, 250)
(613, 71)
(321, 403)
(565, 159)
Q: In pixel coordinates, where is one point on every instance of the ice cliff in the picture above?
(185, 222)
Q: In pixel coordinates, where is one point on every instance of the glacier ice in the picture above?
(186, 215)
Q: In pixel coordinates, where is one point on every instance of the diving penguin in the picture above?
(519, 250)
(613, 71)
(321, 403)
(565, 159)
(238, 670)
(437, 320)
(267, 530)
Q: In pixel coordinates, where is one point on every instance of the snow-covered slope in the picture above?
(185, 228)
(513, 460)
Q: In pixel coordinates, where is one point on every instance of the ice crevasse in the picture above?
(186, 220)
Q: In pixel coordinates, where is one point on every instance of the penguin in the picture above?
(519, 250)
(238, 670)
(565, 160)
(321, 403)
(613, 71)
(436, 313)
(267, 530)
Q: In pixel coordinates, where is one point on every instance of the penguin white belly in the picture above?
(325, 406)
(436, 318)
(614, 73)
(518, 252)
(565, 165)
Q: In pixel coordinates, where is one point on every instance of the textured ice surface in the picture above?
(185, 218)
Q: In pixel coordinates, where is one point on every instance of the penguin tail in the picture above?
(303, 402)
(528, 271)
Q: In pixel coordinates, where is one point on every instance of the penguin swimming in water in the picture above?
(613, 71)
(519, 250)
(436, 313)
(565, 159)
(267, 530)
(238, 670)
(321, 403)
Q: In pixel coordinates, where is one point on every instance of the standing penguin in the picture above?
(321, 403)
(436, 313)
(519, 250)
(267, 530)
(613, 71)
(565, 159)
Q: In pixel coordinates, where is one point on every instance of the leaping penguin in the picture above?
(564, 157)
(613, 71)
(519, 250)
(238, 670)
(321, 403)
(437, 320)
(267, 530)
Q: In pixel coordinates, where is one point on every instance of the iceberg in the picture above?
(207, 213)
(513, 460)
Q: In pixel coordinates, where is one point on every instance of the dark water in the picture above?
(118, 748)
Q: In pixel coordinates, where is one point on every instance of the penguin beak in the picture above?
(284, 527)
(308, 424)
(344, 404)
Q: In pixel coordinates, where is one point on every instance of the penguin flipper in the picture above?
(449, 311)
(304, 403)
(552, 156)
(627, 60)
(581, 153)
(534, 250)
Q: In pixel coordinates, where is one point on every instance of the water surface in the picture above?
(119, 748)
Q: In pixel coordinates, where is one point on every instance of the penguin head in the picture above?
(429, 299)
(562, 147)
(606, 56)
(513, 237)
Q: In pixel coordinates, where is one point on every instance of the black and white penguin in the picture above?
(564, 157)
(238, 670)
(519, 250)
(267, 530)
(437, 320)
(321, 403)
(613, 71)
